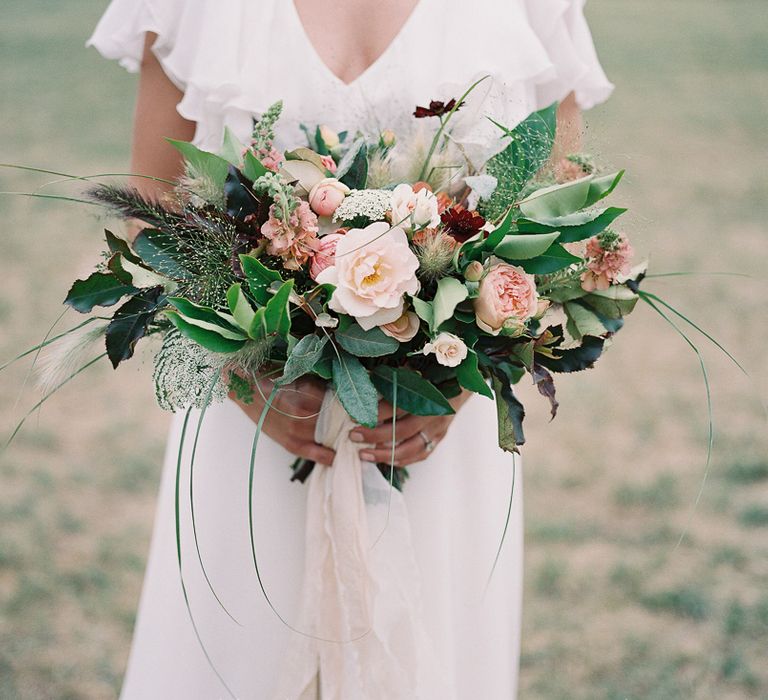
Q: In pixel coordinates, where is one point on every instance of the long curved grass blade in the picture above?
(710, 421)
(506, 525)
(391, 459)
(203, 410)
(47, 342)
(69, 176)
(251, 473)
(701, 274)
(48, 396)
(178, 555)
(38, 195)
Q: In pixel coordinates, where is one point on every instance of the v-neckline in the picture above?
(409, 20)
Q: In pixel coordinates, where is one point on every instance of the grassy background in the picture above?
(613, 608)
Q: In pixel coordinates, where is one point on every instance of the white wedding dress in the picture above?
(232, 59)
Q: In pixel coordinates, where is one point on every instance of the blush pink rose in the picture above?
(404, 328)
(506, 292)
(324, 255)
(326, 195)
(328, 163)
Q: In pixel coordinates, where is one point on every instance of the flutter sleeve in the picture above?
(564, 33)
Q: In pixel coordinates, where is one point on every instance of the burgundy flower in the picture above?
(436, 108)
(460, 223)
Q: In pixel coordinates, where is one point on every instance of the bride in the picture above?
(345, 64)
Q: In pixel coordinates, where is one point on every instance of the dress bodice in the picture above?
(233, 58)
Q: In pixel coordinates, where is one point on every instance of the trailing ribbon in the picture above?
(361, 635)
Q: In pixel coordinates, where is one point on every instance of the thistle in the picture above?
(434, 249)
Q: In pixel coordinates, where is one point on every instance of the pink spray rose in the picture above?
(295, 240)
(404, 328)
(608, 256)
(325, 254)
(505, 292)
(326, 195)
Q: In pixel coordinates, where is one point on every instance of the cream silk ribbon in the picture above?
(360, 634)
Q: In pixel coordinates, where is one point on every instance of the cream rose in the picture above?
(373, 269)
(404, 328)
(326, 195)
(505, 292)
(414, 209)
(449, 349)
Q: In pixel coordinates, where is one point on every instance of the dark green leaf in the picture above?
(100, 289)
(510, 413)
(353, 168)
(525, 246)
(130, 323)
(602, 186)
(414, 393)
(253, 169)
(470, 376)
(354, 389)
(553, 259)
(361, 343)
(118, 245)
(615, 302)
(159, 250)
(211, 340)
(576, 359)
(207, 318)
(575, 227)
(259, 278)
(277, 312)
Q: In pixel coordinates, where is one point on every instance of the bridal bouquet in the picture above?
(387, 267)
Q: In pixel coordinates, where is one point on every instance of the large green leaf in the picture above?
(424, 310)
(159, 250)
(277, 312)
(450, 293)
(602, 186)
(100, 289)
(582, 322)
(208, 165)
(232, 149)
(576, 359)
(259, 278)
(353, 167)
(497, 235)
(130, 324)
(574, 227)
(525, 246)
(209, 339)
(556, 200)
(615, 302)
(553, 259)
(414, 393)
(510, 413)
(355, 390)
(303, 358)
(253, 168)
(118, 245)
(362, 343)
(470, 377)
(207, 318)
(240, 307)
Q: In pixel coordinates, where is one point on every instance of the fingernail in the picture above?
(356, 436)
(367, 456)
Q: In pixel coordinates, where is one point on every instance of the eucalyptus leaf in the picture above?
(415, 394)
(303, 358)
(362, 343)
(100, 289)
(423, 310)
(355, 390)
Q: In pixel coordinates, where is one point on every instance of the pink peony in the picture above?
(326, 195)
(608, 256)
(506, 292)
(295, 240)
(324, 254)
(328, 163)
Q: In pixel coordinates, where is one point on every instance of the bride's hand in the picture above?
(291, 420)
(415, 436)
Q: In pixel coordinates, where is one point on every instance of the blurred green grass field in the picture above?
(614, 609)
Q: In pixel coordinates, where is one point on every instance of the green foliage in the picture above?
(353, 167)
(470, 377)
(529, 149)
(576, 359)
(303, 358)
(240, 307)
(241, 387)
(524, 247)
(615, 302)
(100, 289)
(553, 259)
(210, 339)
(362, 343)
(130, 323)
(510, 414)
(259, 278)
(207, 318)
(202, 163)
(415, 394)
(161, 251)
(450, 293)
(355, 390)
(573, 227)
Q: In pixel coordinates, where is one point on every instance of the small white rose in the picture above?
(449, 349)
(414, 209)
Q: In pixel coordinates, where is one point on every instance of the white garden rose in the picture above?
(374, 268)
(414, 209)
(449, 349)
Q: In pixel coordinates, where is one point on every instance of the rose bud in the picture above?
(329, 136)
(474, 271)
(326, 195)
(388, 138)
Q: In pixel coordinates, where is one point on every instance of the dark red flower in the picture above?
(436, 108)
(461, 224)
